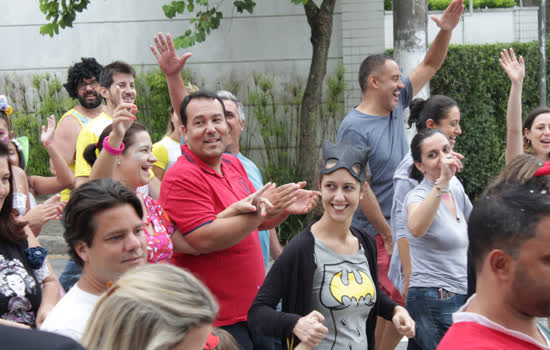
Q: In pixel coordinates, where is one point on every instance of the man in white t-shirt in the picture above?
(104, 232)
(509, 233)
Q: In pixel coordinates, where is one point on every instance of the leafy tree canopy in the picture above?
(62, 13)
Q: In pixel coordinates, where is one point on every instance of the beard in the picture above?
(90, 104)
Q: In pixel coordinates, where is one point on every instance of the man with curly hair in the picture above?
(83, 85)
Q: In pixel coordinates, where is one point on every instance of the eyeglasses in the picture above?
(84, 85)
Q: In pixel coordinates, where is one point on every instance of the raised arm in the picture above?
(422, 214)
(516, 72)
(438, 50)
(105, 163)
(171, 65)
(64, 177)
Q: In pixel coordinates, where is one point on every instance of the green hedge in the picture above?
(473, 77)
(438, 5)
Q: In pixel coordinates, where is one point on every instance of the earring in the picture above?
(118, 161)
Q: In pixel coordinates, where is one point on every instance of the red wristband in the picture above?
(46, 144)
(111, 149)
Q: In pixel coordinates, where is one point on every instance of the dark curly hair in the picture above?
(87, 69)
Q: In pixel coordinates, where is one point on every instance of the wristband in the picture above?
(110, 149)
(441, 191)
(47, 143)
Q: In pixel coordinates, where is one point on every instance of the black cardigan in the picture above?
(291, 279)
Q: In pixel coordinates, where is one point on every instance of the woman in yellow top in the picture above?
(167, 150)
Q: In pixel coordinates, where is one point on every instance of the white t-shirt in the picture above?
(70, 316)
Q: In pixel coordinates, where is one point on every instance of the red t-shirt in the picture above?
(472, 335)
(192, 194)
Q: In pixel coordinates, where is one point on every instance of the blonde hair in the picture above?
(226, 340)
(150, 307)
(520, 169)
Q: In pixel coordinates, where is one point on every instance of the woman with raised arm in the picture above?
(437, 112)
(125, 154)
(533, 137)
(327, 275)
(437, 211)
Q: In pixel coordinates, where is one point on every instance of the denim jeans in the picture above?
(432, 310)
(70, 275)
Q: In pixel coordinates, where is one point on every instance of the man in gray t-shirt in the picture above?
(377, 122)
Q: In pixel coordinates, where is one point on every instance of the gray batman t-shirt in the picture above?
(344, 292)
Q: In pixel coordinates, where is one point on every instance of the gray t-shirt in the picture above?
(438, 258)
(344, 293)
(402, 184)
(385, 136)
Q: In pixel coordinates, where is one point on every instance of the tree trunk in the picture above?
(410, 40)
(320, 22)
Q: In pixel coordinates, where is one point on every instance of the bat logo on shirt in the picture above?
(354, 289)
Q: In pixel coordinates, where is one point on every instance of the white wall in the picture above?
(274, 39)
(482, 27)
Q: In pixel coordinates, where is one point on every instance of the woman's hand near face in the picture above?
(450, 164)
(310, 329)
(123, 117)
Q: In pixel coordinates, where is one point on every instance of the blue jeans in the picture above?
(432, 310)
(70, 275)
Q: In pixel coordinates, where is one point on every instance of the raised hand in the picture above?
(48, 134)
(512, 66)
(123, 115)
(450, 164)
(451, 16)
(166, 56)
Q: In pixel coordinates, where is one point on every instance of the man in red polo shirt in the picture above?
(509, 235)
(199, 193)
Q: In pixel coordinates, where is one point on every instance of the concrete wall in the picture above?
(275, 39)
(362, 35)
(482, 27)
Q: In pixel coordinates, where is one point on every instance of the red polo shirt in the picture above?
(192, 194)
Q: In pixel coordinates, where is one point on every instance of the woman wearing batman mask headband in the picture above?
(327, 275)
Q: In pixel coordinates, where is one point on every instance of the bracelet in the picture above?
(441, 191)
(111, 149)
(47, 143)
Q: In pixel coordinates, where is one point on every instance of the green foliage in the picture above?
(277, 116)
(153, 101)
(60, 14)
(473, 77)
(439, 5)
(207, 18)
